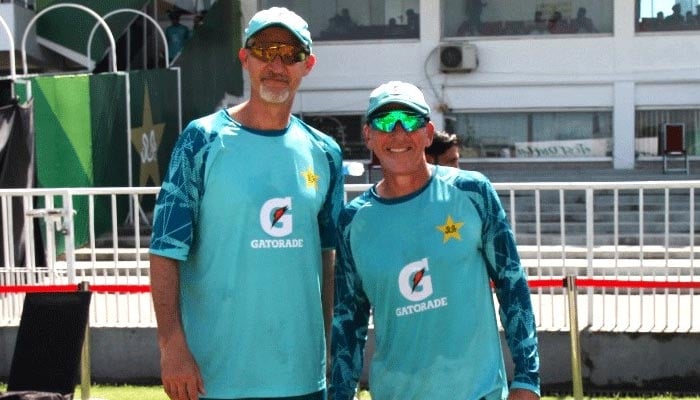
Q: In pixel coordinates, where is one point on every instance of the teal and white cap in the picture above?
(282, 17)
(398, 92)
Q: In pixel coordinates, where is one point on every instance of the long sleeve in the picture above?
(513, 293)
(350, 320)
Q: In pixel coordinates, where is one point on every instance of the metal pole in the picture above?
(570, 284)
(85, 356)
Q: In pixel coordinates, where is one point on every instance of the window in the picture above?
(667, 15)
(533, 135)
(526, 17)
(345, 129)
(356, 19)
(649, 126)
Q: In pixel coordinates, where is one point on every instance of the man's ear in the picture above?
(243, 57)
(429, 132)
(365, 135)
(309, 63)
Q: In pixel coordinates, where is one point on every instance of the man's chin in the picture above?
(274, 96)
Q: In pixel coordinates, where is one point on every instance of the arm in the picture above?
(513, 293)
(522, 394)
(175, 214)
(350, 320)
(327, 220)
(328, 262)
(179, 371)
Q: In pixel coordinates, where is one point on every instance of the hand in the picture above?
(180, 373)
(522, 394)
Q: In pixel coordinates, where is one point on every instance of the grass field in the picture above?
(126, 392)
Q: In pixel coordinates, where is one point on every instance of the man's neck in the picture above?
(262, 116)
(393, 185)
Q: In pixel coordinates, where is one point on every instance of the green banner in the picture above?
(81, 140)
(155, 123)
(82, 137)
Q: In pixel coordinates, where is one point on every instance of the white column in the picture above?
(623, 125)
(624, 90)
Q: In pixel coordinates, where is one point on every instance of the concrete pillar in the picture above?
(623, 125)
(623, 91)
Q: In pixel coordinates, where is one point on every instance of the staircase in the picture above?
(650, 214)
(637, 237)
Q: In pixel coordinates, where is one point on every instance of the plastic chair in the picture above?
(49, 344)
(673, 148)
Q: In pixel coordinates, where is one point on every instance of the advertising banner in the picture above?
(564, 148)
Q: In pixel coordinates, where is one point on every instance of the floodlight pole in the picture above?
(577, 379)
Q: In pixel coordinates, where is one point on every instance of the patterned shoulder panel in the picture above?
(177, 206)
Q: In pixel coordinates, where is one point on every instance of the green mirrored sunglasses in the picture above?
(386, 121)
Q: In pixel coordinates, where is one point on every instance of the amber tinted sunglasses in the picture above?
(289, 54)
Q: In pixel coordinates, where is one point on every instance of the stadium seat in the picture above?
(47, 353)
(674, 147)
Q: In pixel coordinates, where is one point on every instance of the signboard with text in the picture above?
(564, 148)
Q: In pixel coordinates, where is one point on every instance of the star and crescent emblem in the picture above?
(450, 229)
(146, 139)
(311, 178)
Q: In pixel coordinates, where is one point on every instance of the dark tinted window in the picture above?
(356, 19)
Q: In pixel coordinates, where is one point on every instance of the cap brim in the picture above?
(298, 37)
(397, 101)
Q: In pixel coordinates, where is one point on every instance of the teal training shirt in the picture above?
(248, 213)
(423, 263)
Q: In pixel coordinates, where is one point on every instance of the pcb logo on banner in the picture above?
(146, 139)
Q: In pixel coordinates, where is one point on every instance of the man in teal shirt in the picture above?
(242, 251)
(420, 248)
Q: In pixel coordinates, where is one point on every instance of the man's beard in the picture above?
(274, 96)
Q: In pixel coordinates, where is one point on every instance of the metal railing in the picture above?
(635, 241)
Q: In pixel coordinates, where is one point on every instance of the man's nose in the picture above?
(399, 128)
(277, 62)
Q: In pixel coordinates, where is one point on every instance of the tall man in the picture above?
(420, 248)
(242, 251)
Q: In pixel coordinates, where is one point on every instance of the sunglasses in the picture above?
(289, 54)
(386, 122)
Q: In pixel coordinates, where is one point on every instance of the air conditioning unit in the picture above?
(458, 57)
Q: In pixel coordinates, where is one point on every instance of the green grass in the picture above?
(129, 392)
(119, 392)
(124, 392)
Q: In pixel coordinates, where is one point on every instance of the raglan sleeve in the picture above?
(350, 320)
(176, 206)
(515, 307)
(335, 197)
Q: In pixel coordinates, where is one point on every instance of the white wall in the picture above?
(515, 73)
(17, 18)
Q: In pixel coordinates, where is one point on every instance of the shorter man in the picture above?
(444, 150)
(420, 248)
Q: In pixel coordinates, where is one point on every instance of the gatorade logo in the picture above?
(276, 218)
(414, 282)
(416, 285)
